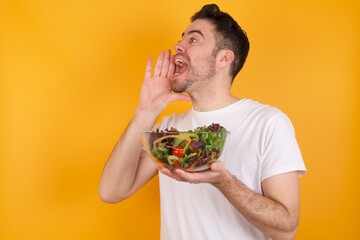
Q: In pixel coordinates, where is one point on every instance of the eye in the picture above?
(193, 40)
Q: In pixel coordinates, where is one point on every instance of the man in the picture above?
(253, 191)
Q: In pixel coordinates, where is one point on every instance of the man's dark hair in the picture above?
(229, 35)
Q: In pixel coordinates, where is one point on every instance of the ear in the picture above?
(225, 58)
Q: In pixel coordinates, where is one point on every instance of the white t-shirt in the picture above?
(261, 144)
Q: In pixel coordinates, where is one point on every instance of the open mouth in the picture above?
(180, 66)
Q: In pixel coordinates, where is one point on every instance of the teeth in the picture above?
(178, 62)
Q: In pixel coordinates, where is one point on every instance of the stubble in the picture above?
(199, 75)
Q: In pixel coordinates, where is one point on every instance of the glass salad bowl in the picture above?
(191, 151)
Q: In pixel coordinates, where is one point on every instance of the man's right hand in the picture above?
(156, 91)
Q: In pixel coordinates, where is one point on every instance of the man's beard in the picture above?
(199, 74)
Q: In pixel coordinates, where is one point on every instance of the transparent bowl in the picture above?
(190, 151)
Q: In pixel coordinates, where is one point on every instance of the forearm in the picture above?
(120, 171)
(269, 216)
(127, 169)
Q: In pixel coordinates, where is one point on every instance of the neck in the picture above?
(212, 100)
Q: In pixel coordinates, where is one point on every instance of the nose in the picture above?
(179, 47)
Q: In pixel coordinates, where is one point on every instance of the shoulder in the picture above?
(262, 118)
(261, 111)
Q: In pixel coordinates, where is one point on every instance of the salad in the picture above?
(187, 150)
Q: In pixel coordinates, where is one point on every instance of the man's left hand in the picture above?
(213, 175)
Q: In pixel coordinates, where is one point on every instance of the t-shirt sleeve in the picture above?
(280, 149)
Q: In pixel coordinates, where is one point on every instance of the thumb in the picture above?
(217, 166)
(178, 97)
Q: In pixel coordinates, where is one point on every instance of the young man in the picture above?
(253, 191)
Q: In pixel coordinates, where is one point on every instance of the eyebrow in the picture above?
(193, 31)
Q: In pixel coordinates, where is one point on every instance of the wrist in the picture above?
(144, 120)
(225, 180)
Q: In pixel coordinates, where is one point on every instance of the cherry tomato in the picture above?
(179, 152)
(176, 163)
(194, 150)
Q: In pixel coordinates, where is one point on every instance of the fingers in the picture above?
(212, 175)
(171, 69)
(166, 63)
(191, 177)
(162, 64)
(158, 65)
(185, 176)
(148, 68)
(171, 174)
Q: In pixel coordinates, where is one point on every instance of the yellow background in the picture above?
(70, 75)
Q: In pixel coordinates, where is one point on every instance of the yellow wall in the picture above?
(70, 74)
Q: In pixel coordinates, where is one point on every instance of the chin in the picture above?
(180, 83)
(178, 87)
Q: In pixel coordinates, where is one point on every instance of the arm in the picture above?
(128, 167)
(275, 213)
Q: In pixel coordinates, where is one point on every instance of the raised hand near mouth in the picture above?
(156, 91)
